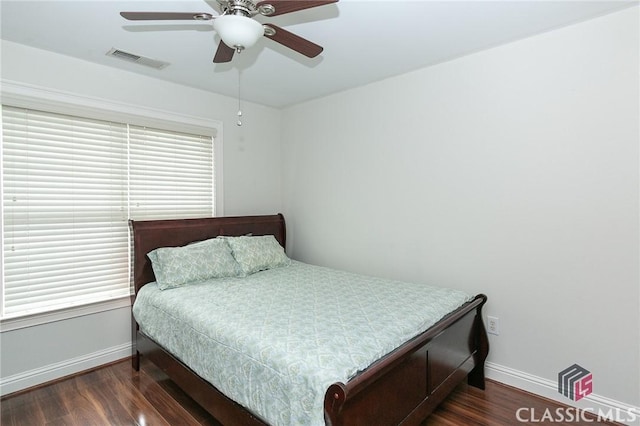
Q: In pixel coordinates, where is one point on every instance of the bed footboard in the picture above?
(406, 386)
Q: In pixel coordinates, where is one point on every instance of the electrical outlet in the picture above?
(493, 325)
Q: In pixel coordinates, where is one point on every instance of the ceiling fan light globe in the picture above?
(239, 32)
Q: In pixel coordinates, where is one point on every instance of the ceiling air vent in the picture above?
(130, 57)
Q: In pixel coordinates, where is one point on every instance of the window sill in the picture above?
(10, 324)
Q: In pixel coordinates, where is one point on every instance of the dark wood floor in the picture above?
(117, 395)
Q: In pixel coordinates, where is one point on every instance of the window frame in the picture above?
(33, 97)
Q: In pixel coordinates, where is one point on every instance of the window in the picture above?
(171, 174)
(69, 186)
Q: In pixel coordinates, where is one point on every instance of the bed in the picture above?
(402, 386)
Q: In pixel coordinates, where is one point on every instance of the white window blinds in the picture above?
(70, 184)
(171, 174)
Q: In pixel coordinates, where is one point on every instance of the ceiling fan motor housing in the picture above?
(238, 7)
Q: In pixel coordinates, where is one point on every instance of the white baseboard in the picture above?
(27, 379)
(597, 404)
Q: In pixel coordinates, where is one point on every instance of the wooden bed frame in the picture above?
(403, 387)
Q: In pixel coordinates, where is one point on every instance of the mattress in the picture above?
(274, 341)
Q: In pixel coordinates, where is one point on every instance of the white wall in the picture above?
(252, 185)
(512, 172)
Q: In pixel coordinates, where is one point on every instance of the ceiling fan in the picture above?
(237, 28)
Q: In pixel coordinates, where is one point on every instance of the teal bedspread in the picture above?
(274, 341)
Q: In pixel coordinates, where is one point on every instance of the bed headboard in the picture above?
(147, 235)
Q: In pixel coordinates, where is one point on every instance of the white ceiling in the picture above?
(364, 41)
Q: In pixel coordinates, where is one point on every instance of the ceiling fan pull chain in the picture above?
(239, 122)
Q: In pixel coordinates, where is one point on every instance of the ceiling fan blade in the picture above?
(280, 7)
(292, 41)
(223, 54)
(165, 16)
